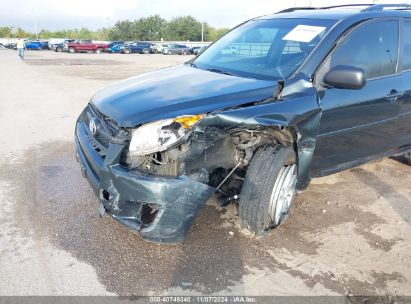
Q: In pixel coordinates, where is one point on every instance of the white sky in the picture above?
(60, 14)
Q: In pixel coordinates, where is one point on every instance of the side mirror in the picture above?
(345, 77)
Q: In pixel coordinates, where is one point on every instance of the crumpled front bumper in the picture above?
(125, 194)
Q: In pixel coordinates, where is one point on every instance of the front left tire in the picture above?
(268, 189)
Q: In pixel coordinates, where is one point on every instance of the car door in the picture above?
(360, 125)
(174, 49)
(88, 45)
(82, 45)
(405, 67)
(141, 46)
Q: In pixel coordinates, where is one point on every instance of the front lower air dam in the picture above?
(160, 209)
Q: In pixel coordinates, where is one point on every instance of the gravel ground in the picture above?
(349, 233)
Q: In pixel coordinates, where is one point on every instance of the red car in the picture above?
(85, 46)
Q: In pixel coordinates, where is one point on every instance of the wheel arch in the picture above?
(301, 136)
(297, 125)
(283, 136)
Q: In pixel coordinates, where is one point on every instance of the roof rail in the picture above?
(370, 7)
(348, 5)
(380, 7)
(292, 9)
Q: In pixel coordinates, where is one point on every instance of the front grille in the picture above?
(107, 129)
(111, 124)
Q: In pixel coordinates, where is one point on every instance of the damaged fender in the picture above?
(296, 108)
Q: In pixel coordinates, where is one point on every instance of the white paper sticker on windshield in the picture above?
(304, 33)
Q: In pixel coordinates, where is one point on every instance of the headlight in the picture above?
(160, 135)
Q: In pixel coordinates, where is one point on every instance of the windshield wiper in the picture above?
(214, 70)
(220, 72)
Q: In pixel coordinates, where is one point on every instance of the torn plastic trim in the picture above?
(178, 200)
(297, 109)
(123, 193)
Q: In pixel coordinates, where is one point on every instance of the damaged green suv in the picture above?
(278, 100)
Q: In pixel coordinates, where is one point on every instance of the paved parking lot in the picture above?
(349, 233)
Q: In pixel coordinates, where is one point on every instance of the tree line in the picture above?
(152, 28)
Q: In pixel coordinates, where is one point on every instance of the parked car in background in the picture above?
(112, 43)
(200, 50)
(115, 48)
(33, 45)
(12, 46)
(159, 47)
(44, 45)
(139, 47)
(193, 49)
(229, 50)
(85, 46)
(59, 47)
(174, 48)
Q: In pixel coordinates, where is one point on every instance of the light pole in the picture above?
(202, 31)
(35, 24)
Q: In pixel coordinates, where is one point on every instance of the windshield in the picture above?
(264, 49)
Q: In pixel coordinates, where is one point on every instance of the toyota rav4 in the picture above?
(308, 92)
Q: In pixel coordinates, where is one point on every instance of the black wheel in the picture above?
(59, 49)
(98, 51)
(126, 51)
(145, 51)
(169, 53)
(268, 189)
(71, 50)
(185, 53)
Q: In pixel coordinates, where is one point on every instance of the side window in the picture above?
(406, 46)
(372, 47)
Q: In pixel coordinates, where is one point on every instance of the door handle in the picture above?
(394, 95)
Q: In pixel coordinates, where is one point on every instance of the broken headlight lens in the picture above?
(160, 135)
